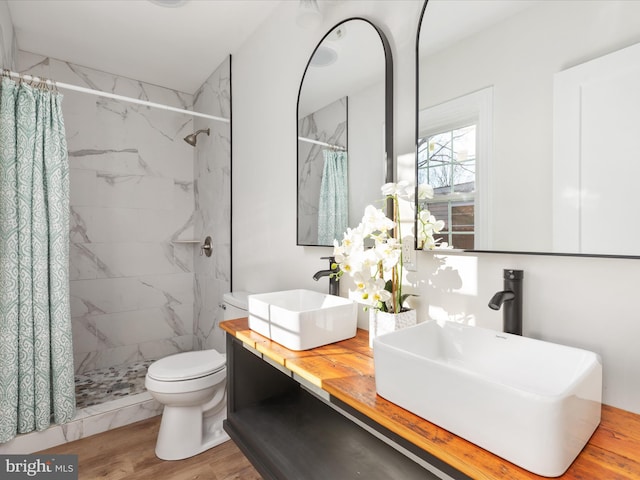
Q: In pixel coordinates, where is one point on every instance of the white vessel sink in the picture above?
(302, 319)
(530, 402)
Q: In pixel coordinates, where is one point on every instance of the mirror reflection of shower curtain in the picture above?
(333, 210)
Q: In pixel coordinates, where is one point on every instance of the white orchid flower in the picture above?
(376, 292)
(402, 189)
(353, 239)
(389, 252)
(428, 242)
(372, 268)
(438, 225)
(425, 191)
(388, 189)
(429, 222)
(370, 260)
(423, 215)
(375, 220)
(350, 265)
(428, 226)
(361, 281)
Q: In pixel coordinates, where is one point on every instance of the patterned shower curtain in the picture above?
(333, 210)
(36, 356)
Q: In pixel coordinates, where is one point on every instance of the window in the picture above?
(447, 162)
(454, 156)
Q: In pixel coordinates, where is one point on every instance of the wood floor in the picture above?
(128, 453)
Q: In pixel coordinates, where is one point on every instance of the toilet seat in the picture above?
(186, 372)
(187, 366)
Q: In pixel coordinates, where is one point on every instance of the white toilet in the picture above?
(192, 388)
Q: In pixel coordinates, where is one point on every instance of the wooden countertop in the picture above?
(345, 370)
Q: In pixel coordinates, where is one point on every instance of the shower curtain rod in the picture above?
(113, 96)
(324, 144)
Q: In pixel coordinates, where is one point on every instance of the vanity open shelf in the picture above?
(289, 433)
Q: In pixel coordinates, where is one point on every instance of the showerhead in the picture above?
(191, 139)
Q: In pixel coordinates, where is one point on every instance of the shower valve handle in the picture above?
(207, 247)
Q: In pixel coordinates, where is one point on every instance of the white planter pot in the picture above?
(383, 322)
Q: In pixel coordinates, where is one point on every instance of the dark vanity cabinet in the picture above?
(293, 431)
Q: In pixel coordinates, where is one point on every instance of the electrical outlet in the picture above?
(409, 255)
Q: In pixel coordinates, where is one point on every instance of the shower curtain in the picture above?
(333, 210)
(36, 356)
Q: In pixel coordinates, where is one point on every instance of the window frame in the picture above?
(477, 108)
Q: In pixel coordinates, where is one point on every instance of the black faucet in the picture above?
(511, 296)
(333, 280)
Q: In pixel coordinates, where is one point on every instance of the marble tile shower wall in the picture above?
(132, 193)
(213, 207)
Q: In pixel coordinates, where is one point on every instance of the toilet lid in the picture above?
(187, 365)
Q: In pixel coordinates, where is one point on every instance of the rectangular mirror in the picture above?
(544, 162)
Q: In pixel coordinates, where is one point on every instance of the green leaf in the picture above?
(389, 286)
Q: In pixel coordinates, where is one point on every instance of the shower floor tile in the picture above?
(101, 385)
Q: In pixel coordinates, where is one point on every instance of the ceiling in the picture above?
(180, 47)
(176, 48)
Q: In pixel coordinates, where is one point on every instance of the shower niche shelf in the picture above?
(206, 246)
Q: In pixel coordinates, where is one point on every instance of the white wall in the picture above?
(7, 38)
(366, 149)
(266, 77)
(585, 302)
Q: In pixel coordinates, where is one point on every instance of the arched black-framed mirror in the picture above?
(552, 168)
(344, 130)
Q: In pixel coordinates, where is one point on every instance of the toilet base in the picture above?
(185, 432)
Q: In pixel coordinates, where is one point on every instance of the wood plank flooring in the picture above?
(128, 453)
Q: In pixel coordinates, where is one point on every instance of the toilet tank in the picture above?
(235, 305)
